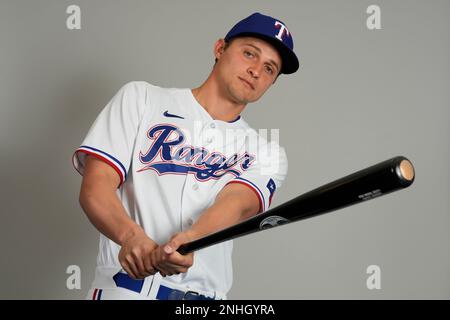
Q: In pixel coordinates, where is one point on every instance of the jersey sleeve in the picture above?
(265, 174)
(112, 135)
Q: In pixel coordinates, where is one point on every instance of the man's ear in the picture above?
(219, 48)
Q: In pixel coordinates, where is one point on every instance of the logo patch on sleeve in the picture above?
(272, 187)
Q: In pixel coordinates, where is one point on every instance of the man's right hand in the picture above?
(100, 202)
(134, 256)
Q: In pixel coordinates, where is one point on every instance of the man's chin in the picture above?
(241, 96)
(244, 99)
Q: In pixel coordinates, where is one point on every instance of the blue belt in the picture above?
(164, 293)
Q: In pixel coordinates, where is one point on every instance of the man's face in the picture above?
(247, 68)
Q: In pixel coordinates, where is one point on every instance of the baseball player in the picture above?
(162, 167)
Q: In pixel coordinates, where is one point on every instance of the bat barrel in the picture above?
(377, 180)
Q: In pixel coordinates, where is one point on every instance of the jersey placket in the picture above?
(197, 192)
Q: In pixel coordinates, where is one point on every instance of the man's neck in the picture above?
(210, 97)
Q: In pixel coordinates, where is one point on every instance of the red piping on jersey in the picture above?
(105, 160)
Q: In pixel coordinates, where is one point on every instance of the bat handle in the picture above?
(183, 249)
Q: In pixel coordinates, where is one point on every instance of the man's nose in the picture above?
(254, 71)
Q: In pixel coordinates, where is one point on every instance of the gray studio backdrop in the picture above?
(361, 96)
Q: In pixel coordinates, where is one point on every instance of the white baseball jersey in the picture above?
(173, 158)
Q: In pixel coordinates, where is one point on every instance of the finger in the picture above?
(156, 261)
(128, 270)
(180, 260)
(141, 268)
(136, 256)
(164, 267)
(170, 268)
(133, 268)
(169, 248)
(163, 270)
(166, 264)
(148, 265)
(172, 245)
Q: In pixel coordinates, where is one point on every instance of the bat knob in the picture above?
(406, 171)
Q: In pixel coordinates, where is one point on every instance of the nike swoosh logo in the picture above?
(170, 115)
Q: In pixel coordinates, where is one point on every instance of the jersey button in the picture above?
(190, 222)
(212, 125)
(209, 140)
(195, 186)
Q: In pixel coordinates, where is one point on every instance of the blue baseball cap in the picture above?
(271, 30)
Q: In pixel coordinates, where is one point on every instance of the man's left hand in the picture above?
(168, 261)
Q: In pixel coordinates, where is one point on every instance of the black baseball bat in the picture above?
(380, 179)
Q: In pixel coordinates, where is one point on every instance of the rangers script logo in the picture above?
(168, 154)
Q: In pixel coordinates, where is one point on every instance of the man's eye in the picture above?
(248, 54)
(269, 70)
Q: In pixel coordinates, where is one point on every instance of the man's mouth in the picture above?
(247, 83)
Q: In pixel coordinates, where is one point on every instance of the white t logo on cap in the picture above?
(283, 29)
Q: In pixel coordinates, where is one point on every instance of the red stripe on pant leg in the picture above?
(95, 293)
